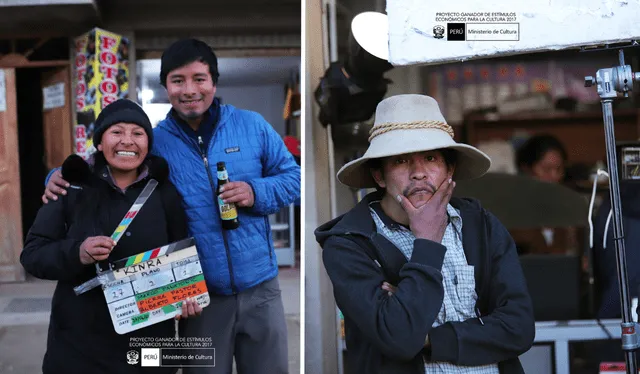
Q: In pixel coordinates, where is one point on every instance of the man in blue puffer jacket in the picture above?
(246, 315)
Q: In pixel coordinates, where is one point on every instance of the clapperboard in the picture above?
(149, 287)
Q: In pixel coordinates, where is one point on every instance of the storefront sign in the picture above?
(101, 77)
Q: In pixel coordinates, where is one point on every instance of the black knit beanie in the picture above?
(119, 111)
(186, 51)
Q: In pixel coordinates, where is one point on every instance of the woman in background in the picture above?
(543, 157)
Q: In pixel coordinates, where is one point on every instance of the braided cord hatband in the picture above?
(386, 127)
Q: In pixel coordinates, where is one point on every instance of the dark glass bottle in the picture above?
(228, 212)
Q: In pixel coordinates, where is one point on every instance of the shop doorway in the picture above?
(33, 139)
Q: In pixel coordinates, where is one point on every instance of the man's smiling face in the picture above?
(191, 90)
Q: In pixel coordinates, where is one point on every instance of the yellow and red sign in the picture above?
(101, 76)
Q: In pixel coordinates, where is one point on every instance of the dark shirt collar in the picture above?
(207, 126)
(206, 117)
(388, 221)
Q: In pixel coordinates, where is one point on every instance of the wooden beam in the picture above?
(39, 44)
(33, 34)
(32, 64)
(13, 59)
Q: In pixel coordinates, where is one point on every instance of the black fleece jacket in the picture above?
(81, 336)
(386, 334)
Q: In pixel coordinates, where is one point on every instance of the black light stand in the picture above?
(609, 82)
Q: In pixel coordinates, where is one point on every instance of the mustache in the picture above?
(415, 187)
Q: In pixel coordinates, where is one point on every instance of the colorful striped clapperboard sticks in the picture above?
(117, 234)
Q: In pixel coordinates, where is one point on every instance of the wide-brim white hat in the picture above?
(407, 124)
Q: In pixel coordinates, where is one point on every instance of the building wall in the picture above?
(268, 100)
(320, 331)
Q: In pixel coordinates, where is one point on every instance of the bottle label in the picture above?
(227, 211)
(222, 175)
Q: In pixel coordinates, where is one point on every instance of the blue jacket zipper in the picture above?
(215, 201)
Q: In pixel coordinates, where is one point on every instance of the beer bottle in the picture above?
(228, 212)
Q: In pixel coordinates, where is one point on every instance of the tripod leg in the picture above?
(629, 337)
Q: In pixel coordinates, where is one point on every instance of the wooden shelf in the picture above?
(553, 116)
(582, 133)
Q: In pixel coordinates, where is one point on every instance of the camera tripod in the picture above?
(609, 83)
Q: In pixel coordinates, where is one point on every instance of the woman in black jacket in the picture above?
(73, 232)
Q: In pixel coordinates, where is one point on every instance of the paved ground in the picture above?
(24, 318)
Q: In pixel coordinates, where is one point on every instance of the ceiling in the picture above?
(277, 20)
(22, 18)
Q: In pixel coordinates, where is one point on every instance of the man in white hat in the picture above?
(426, 282)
